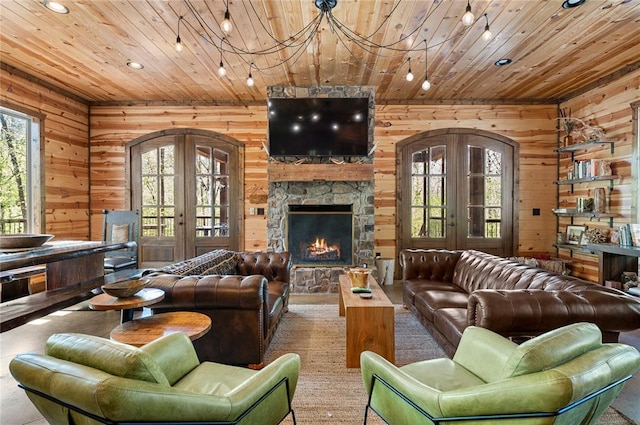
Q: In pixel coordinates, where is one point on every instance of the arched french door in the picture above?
(187, 185)
(458, 190)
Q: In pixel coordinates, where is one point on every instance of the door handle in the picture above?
(452, 224)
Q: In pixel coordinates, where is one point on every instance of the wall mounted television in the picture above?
(318, 126)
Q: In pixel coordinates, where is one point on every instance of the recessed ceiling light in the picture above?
(54, 6)
(502, 62)
(135, 65)
(567, 4)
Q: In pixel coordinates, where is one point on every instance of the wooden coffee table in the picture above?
(370, 322)
(145, 297)
(141, 331)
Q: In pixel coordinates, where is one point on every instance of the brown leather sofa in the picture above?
(451, 290)
(245, 305)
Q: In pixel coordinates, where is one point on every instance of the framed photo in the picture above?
(584, 238)
(574, 234)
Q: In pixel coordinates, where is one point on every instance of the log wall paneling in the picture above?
(608, 107)
(532, 126)
(66, 153)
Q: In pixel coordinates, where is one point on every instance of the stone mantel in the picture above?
(282, 172)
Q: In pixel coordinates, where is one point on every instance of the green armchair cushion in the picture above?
(551, 349)
(174, 355)
(109, 356)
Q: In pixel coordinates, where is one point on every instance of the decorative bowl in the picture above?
(24, 240)
(123, 289)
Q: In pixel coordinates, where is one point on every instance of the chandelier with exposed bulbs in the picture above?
(291, 49)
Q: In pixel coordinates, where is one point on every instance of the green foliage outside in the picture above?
(13, 174)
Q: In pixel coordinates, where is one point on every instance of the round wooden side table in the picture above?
(145, 297)
(141, 331)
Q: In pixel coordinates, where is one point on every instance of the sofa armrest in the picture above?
(431, 264)
(211, 292)
(275, 266)
(531, 312)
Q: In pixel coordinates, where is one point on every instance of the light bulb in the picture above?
(409, 76)
(426, 85)
(226, 25)
(250, 81)
(486, 35)
(468, 18)
(178, 45)
(221, 70)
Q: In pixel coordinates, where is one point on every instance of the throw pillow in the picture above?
(219, 261)
(120, 233)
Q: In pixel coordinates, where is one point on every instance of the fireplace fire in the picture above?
(320, 234)
(320, 251)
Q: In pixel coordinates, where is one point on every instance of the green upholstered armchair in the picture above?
(90, 380)
(565, 376)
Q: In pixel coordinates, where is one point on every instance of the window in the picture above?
(20, 179)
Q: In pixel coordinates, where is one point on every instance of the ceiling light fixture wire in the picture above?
(297, 44)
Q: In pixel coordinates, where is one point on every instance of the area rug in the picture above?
(330, 393)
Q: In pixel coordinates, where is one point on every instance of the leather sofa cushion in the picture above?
(413, 287)
(442, 374)
(109, 356)
(451, 322)
(428, 302)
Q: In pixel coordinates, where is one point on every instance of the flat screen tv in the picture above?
(318, 126)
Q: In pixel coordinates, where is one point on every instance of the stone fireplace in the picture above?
(320, 235)
(321, 277)
(340, 190)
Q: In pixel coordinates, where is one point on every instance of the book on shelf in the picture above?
(563, 210)
(629, 235)
(634, 230)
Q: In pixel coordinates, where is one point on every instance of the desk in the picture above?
(68, 262)
(370, 322)
(145, 297)
(139, 332)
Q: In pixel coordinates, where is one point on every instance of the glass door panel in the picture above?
(460, 188)
(429, 193)
(212, 192)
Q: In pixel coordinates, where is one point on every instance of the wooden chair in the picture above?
(121, 226)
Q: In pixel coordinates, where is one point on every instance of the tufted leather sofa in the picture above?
(451, 290)
(245, 308)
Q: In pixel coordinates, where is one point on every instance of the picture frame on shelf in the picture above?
(575, 234)
(584, 238)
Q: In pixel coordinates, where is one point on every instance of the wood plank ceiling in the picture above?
(556, 52)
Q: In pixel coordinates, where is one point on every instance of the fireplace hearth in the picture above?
(320, 235)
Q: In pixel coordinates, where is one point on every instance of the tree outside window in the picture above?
(19, 189)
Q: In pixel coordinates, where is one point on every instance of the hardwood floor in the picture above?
(16, 409)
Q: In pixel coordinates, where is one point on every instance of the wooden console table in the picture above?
(614, 259)
(68, 262)
(370, 322)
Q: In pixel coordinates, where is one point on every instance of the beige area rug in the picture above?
(328, 392)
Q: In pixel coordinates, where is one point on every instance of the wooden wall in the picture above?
(66, 151)
(608, 107)
(532, 126)
(70, 165)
